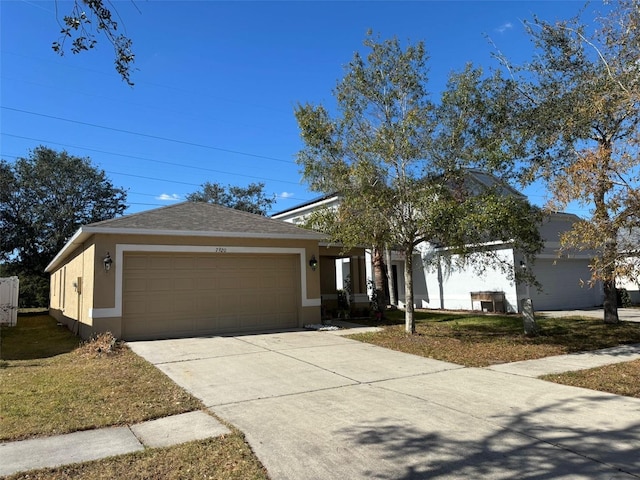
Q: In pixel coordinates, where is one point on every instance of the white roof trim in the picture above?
(76, 239)
(304, 208)
(198, 233)
(85, 232)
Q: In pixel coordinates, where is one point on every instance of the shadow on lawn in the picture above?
(501, 337)
(36, 337)
(542, 442)
(396, 317)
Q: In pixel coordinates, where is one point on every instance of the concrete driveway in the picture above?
(315, 405)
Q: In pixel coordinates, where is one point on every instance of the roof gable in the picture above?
(475, 180)
(202, 217)
(189, 219)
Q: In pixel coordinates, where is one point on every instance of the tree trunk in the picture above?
(390, 280)
(409, 320)
(610, 302)
(379, 275)
(529, 318)
(610, 250)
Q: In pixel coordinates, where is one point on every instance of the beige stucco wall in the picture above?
(71, 289)
(98, 290)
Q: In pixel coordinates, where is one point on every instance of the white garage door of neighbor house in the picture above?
(561, 285)
(177, 295)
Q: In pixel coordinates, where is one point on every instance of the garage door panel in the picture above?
(159, 262)
(135, 284)
(227, 323)
(249, 322)
(205, 262)
(137, 262)
(184, 284)
(183, 263)
(168, 295)
(183, 303)
(228, 302)
(160, 284)
(208, 303)
(561, 285)
(135, 306)
(159, 304)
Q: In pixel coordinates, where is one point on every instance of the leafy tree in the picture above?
(44, 199)
(88, 18)
(251, 198)
(576, 110)
(379, 152)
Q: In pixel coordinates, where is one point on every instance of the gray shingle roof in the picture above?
(190, 219)
(203, 217)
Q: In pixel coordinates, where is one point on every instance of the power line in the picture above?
(181, 165)
(41, 60)
(144, 177)
(145, 135)
(174, 112)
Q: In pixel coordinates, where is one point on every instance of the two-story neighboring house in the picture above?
(440, 283)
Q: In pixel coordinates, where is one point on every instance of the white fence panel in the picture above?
(9, 287)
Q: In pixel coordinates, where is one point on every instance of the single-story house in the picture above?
(440, 284)
(191, 269)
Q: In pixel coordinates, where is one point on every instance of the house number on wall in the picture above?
(221, 250)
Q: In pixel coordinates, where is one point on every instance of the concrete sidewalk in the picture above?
(571, 362)
(55, 451)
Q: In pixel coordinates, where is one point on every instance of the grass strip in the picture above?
(620, 378)
(222, 458)
(50, 393)
(481, 340)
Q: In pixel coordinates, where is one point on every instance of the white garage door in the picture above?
(561, 285)
(177, 295)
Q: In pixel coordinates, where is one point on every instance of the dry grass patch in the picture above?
(97, 384)
(481, 340)
(223, 458)
(619, 378)
(51, 384)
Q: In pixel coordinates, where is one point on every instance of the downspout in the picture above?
(440, 282)
(81, 288)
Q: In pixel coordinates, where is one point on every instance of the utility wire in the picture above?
(181, 165)
(144, 177)
(182, 113)
(145, 135)
(41, 60)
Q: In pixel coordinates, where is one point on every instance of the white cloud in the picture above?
(166, 197)
(286, 195)
(504, 27)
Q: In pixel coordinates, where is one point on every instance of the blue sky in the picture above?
(217, 82)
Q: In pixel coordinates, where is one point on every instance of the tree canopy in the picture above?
(384, 152)
(250, 199)
(574, 115)
(44, 199)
